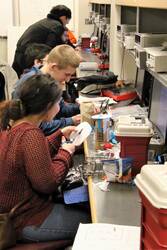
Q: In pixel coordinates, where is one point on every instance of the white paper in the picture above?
(101, 236)
(128, 110)
(95, 99)
(83, 130)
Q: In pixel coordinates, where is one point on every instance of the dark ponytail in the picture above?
(10, 111)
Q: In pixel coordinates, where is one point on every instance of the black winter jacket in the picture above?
(48, 31)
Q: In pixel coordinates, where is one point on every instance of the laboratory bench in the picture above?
(120, 205)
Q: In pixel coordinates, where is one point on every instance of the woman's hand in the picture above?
(70, 147)
(67, 131)
(76, 119)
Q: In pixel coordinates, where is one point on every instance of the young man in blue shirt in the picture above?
(61, 64)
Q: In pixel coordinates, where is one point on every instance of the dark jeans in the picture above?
(62, 223)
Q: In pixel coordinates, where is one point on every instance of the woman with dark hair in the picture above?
(32, 166)
(49, 31)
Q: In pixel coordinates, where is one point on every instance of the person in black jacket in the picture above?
(49, 31)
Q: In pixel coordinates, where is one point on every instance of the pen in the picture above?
(77, 133)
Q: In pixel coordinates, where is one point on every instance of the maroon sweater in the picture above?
(31, 165)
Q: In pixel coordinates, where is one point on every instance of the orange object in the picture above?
(71, 37)
(95, 50)
(107, 145)
(120, 94)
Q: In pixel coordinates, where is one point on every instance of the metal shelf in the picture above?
(160, 4)
(162, 77)
(100, 1)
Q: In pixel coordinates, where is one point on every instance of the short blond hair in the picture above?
(64, 55)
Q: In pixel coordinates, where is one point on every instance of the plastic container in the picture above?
(122, 94)
(148, 241)
(87, 110)
(85, 42)
(102, 123)
(151, 183)
(134, 134)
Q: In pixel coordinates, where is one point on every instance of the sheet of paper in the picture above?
(95, 99)
(83, 130)
(129, 110)
(101, 236)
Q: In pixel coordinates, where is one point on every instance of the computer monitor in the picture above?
(158, 108)
(143, 85)
(139, 81)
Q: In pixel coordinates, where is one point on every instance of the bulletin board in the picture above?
(6, 16)
(34, 10)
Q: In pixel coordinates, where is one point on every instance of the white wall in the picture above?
(81, 10)
(26, 12)
(23, 14)
(6, 19)
(14, 33)
(3, 49)
(6, 16)
(33, 10)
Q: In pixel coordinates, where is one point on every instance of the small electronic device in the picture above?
(149, 40)
(139, 82)
(158, 109)
(125, 29)
(129, 41)
(88, 66)
(140, 57)
(143, 85)
(156, 59)
(157, 115)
